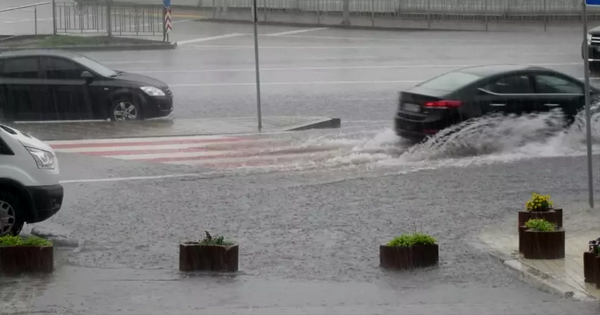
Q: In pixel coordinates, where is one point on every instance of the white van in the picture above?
(29, 181)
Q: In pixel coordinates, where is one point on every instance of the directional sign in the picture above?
(168, 24)
(167, 3)
(587, 2)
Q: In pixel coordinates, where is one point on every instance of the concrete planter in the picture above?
(196, 257)
(418, 256)
(26, 259)
(544, 245)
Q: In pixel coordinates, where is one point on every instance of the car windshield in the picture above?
(95, 66)
(450, 81)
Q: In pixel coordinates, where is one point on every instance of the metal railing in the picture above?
(35, 15)
(107, 17)
(390, 12)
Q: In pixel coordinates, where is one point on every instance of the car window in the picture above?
(553, 85)
(511, 84)
(450, 81)
(22, 68)
(60, 68)
(95, 66)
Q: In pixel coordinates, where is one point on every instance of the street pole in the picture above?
(588, 124)
(54, 17)
(256, 62)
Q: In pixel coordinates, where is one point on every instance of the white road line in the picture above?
(342, 68)
(57, 121)
(206, 39)
(126, 62)
(109, 142)
(423, 39)
(379, 47)
(297, 31)
(27, 20)
(120, 179)
(292, 83)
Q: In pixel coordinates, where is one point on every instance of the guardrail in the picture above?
(34, 5)
(388, 13)
(107, 17)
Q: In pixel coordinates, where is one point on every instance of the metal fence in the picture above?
(390, 12)
(108, 18)
(415, 6)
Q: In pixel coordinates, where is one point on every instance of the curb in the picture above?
(540, 280)
(56, 238)
(98, 48)
(322, 124)
(340, 26)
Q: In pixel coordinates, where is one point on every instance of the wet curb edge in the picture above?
(540, 280)
(324, 123)
(57, 240)
(97, 48)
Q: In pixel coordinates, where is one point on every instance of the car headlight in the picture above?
(152, 91)
(43, 159)
(589, 39)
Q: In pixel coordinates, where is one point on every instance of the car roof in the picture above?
(38, 52)
(490, 70)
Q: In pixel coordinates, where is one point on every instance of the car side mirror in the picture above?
(87, 75)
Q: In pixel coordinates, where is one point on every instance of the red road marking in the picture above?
(141, 143)
(236, 155)
(210, 148)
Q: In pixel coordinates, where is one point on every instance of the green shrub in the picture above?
(423, 239)
(215, 240)
(540, 225)
(401, 241)
(407, 240)
(23, 241)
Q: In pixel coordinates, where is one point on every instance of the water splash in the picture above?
(500, 137)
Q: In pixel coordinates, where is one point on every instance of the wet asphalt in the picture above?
(349, 74)
(309, 240)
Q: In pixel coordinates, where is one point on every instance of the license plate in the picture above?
(411, 107)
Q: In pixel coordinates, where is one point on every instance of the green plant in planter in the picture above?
(9, 240)
(540, 225)
(215, 240)
(407, 240)
(539, 203)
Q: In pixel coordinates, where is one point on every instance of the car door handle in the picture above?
(551, 105)
(497, 105)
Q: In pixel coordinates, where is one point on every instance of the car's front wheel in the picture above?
(124, 109)
(11, 214)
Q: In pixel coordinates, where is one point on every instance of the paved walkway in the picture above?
(580, 225)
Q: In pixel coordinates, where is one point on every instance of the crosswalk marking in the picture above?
(217, 152)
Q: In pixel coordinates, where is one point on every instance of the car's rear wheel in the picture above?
(11, 214)
(124, 109)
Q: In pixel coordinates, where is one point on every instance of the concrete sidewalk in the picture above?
(79, 130)
(561, 276)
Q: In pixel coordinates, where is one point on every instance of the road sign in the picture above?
(168, 24)
(167, 3)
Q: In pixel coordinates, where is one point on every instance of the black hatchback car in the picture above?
(58, 85)
(472, 92)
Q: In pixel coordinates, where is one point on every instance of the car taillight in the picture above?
(444, 104)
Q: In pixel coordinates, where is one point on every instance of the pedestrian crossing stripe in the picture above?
(217, 152)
